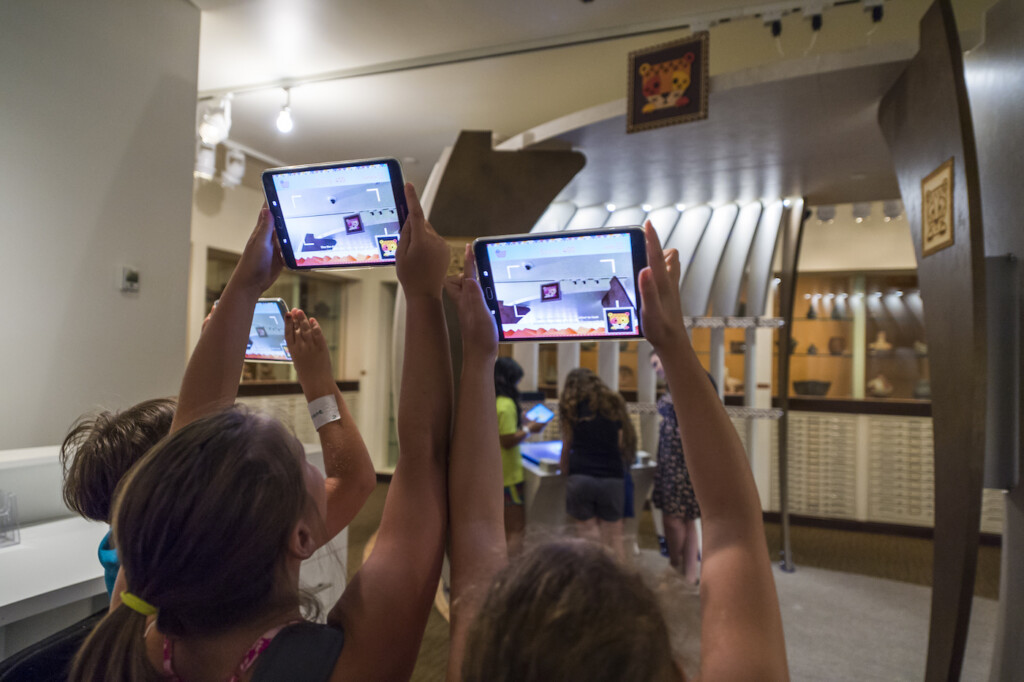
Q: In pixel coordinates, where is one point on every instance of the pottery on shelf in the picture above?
(811, 387)
(920, 349)
(837, 312)
(737, 347)
(836, 345)
(879, 387)
(812, 349)
(923, 390)
(811, 312)
(880, 345)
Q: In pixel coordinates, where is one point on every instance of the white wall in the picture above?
(846, 245)
(96, 151)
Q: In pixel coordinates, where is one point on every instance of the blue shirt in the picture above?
(109, 562)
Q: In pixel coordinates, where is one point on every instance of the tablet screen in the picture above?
(565, 287)
(336, 216)
(540, 413)
(266, 336)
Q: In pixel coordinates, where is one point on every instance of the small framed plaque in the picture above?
(937, 209)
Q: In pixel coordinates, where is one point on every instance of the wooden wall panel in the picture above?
(485, 192)
(926, 121)
(994, 71)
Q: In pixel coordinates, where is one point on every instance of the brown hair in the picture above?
(566, 610)
(202, 525)
(100, 449)
(583, 387)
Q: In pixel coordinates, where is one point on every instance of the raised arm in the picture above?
(350, 477)
(477, 523)
(384, 608)
(211, 378)
(741, 627)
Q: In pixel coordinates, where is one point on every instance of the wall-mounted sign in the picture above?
(668, 84)
(937, 210)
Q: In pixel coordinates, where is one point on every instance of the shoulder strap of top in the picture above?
(303, 651)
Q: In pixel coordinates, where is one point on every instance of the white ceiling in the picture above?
(414, 114)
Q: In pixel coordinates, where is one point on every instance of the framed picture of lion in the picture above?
(668, 84)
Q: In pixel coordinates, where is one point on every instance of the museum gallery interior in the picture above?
(838, 178)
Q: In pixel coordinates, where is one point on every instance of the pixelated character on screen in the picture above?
(619, 321)
(388, 246)
(551, 292)
(353, 224)
(665, 83)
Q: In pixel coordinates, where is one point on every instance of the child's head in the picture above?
(210, 527)
(100, 449)
(507, 375)
(567, 610)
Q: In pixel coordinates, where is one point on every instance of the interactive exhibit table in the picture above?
(545, 487)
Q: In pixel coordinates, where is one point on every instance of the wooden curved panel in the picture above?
(762, 255)
(687, 235)
(996, 107)
(664, 220)
(487, 192)
(556, 217)
(725, 293)
(926, 121)
(697, 280)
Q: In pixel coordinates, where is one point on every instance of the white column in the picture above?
(608, 363)
(646, 392)
(528, 357)
(568, 360)
(717, 361)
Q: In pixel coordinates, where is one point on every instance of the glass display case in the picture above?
(318, 295)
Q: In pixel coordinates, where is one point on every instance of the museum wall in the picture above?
(848, 246)
(96, 152)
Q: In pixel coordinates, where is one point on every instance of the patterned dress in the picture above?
(673, 491)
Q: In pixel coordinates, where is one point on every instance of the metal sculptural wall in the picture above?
(993, 73)
(926, 120)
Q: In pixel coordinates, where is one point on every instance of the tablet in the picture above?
(563, 286)
(266, 335)
(540, 413)
(337, 215)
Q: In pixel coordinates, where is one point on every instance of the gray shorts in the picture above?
(588, 496)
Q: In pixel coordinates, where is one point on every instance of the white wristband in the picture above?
(324, 411)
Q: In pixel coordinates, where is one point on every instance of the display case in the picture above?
(319, 296)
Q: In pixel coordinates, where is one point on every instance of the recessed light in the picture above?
(610, 207)
(646, 208)
(680, 207)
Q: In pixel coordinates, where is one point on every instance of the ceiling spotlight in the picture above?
(898, 293)
(786, 203)
(892, 209)
(861, 211)
(807, 297)
(206, 161)
(826, 213)
(843, 296)
(680, 207)
(876, 9)
(877, 294)
(610, 208)
(234, 168)
(829, 296)
(776, 281)
(646, 208)
(284, 118)
(214, 122)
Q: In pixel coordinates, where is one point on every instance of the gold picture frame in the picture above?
(668, 84)
(937, 225)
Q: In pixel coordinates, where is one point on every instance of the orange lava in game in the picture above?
(542, 332)
(337, 260)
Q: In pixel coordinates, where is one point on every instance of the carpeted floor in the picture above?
(831, 616)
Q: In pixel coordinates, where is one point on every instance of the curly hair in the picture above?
(584, 388)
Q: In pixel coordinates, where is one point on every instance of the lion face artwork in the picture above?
(619, 320)
(665, 83)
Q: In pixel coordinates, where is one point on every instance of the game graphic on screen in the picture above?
(565, 287)
(339, 216)
(266, 336)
